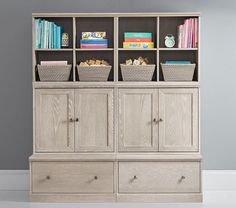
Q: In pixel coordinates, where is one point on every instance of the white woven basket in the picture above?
(137, 73)
(178, 72)
(54, 73)
(93, 73)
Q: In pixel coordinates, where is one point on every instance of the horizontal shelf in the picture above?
(137, 49)
(94, 49)
(178, 49)
(75, 84)
(53, 49)
(115, 156)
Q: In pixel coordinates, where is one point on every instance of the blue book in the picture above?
(59, 36)
(178, 62)
(94, 41)
(42, 34)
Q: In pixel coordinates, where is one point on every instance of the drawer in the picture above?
(72, 177)
(162, 177)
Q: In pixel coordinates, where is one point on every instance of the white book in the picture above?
(53, 63)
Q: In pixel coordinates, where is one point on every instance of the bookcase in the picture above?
(116, 141)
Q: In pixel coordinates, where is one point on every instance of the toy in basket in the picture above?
(54, 71)
(178, 70)
(94, 70)
(137, 70)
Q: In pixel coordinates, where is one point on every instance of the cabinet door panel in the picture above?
(179, 112)
(54, 131)
(94, 109)
(137, 110)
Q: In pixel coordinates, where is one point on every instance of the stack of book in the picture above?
(47, 34)
(93, 40)
(188, 34)
(138, 40)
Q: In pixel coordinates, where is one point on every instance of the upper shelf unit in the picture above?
(116, 25)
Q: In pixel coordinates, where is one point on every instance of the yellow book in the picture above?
(138, 45)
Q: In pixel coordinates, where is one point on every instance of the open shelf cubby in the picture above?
(179, 56)
(92, 24)
(137, 24)
(66, 23)
(54, 56)
(150, 55)
(105, 55)
(169, 25)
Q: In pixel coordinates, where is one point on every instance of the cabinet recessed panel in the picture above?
(54, 131)
(179, 115)
(137, 129)
(94, 111)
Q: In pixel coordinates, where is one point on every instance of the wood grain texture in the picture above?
(94, 110)
(179, 112)
(137, 111)
(72, 177)
(159, 177)
(54, 131)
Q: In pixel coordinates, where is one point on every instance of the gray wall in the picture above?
(218, 72)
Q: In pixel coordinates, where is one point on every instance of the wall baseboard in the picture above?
(213, 180)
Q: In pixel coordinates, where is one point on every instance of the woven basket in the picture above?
(93, 73)
(137, 73)
(54, 73)
(178, 72)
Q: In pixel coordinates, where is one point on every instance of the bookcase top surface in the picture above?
(147, 14)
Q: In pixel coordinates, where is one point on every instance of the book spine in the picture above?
(137, 35)
(138, 40)
(42, 34)
(36, 34)
(54, 36)
(93, 45)
(138, 45)
(59, 36)
(94, 41)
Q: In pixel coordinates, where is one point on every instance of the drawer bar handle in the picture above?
(182, 178)
(74, 120)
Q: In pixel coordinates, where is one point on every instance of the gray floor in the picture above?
(212, 199)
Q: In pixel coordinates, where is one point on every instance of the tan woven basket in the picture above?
(137, 73)
(93, 73)
(54, 73)
(178, 72)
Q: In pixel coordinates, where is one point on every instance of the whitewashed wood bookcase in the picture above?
(116, 141)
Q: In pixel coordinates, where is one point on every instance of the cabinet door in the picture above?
(178, 120)
(138, 128)
(54, 131)
(94, 129)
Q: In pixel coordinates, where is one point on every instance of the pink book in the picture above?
(93, 45)
(186, 33)
(196, 33)
(50, 63)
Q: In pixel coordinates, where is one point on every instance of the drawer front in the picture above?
(72, 177)
(162, 177)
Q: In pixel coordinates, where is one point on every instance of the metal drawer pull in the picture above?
(133, 179)
(95, 178)
(181, 179)
(74, 120)
(160, 120)
(48, 177)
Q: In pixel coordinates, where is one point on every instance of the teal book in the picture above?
(42, 34)
(54, 35)
(59, 36)
(138, 35)
(178, 62)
